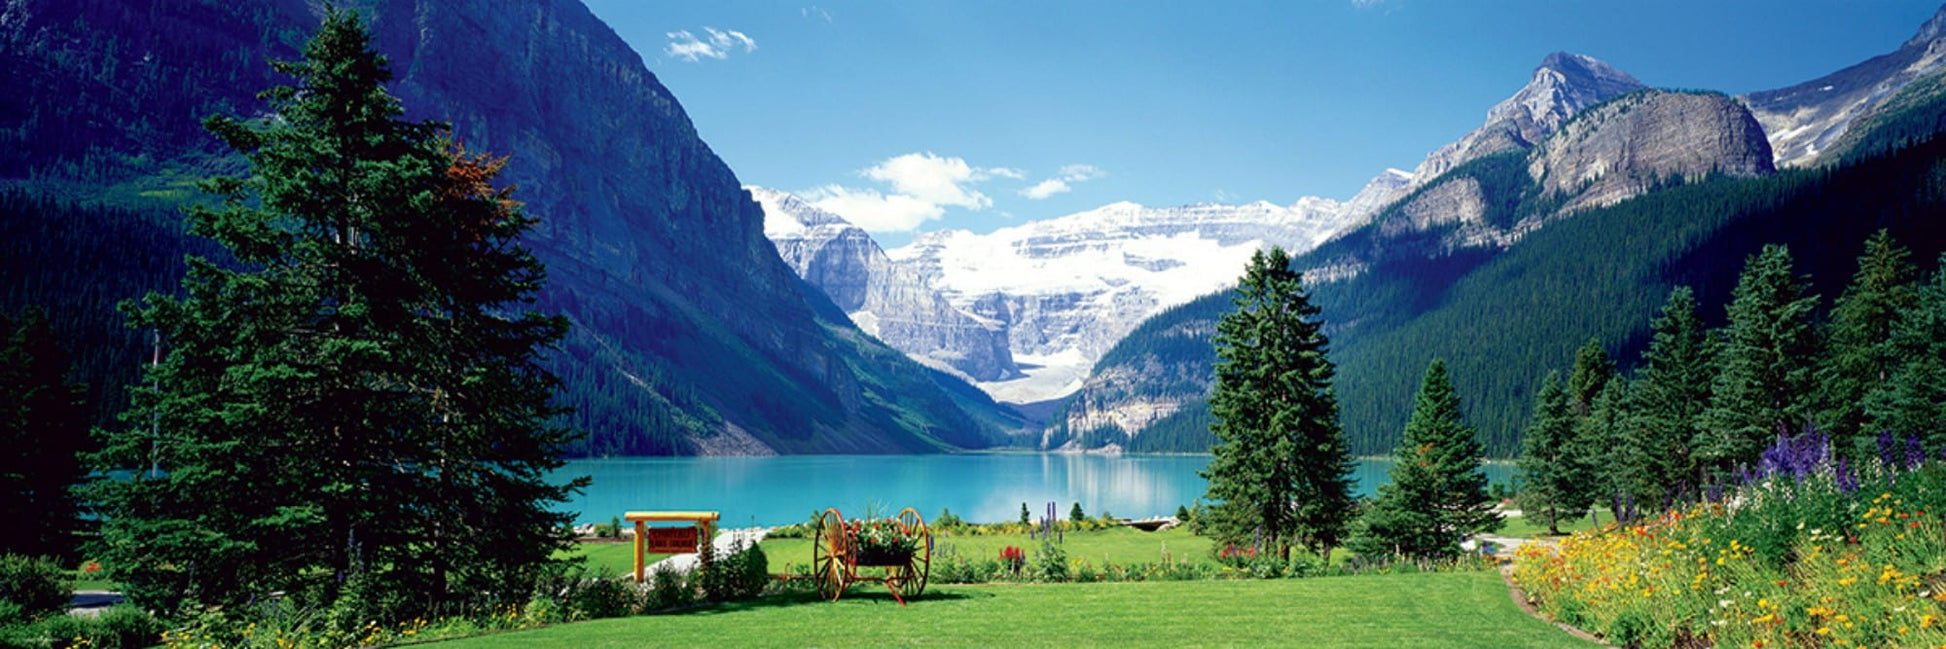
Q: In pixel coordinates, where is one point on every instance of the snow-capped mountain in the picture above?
(1068, 288)
(887, 300)
(1059, 292)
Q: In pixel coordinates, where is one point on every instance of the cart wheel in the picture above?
(828, 552)
(913, 575)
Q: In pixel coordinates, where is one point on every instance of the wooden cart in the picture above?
(836, 561)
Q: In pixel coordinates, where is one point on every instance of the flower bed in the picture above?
(1811, 554)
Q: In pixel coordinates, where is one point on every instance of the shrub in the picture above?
(600, 596)
(741, 575)
(961, 570)
(668, 589)
(1051, 563)
(123, 626)
(37, 586)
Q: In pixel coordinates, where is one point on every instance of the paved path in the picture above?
(90, 603)
(723, 543)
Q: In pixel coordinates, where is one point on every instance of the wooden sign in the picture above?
(672, 540)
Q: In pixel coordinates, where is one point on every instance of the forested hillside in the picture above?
(690, 335)
(1500, 321)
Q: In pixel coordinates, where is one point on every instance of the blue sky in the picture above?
(914, 116)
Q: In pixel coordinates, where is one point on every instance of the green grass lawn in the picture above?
(617, 558)
(1469, 609)
(1527, 528)
(1119, 545)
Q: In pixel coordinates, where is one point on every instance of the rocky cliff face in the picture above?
(1622, 148)
(887, 300)
(691, 334)
(1561, 86)
(1803, 121)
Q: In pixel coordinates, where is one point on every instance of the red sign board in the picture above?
(672, 540)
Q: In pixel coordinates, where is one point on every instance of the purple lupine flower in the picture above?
(1915, 454)
(1888, 449)
(1843, 477)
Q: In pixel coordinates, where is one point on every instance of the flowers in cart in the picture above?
(882, 541)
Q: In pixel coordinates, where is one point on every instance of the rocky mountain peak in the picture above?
(1564, 84)
(1933, 30)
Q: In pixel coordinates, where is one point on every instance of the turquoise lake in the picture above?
(980, 487)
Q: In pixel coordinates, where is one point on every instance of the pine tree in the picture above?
(1438, 493)
(1592, 372)
(1672, 392)
(1860, 357)
(1282, 464)
(1553, 479)
(1764, 379)
(357, 409)
(1912, 401)
(1598, 440)
(43, 431)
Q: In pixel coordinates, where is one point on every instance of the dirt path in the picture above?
(1520, 597)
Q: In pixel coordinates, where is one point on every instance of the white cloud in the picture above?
(1079, 173)
(921, 187)
(815, 10)
(1045, 189)
(719, 44)
(875, 212)
(1063, 180)
(937, 180)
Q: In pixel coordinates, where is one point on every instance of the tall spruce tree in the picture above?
(1859, 355)
(1765, 368)
(1598, 440)
(1554, 479)
(43, 431)
(1912, 401)
(1438, 493)
(356, 408)
(1592, 372)
(1673, 391)
(1282, 464)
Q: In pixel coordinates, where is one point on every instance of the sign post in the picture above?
(695, 537)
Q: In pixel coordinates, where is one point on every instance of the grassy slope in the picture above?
(1421, 610)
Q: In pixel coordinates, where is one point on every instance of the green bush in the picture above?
(741, 575)
(668, 590)
(961, 570)
(602, 595)
(1051, 563)
(36, 586)
(120, 627)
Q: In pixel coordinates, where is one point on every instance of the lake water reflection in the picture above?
(977, 487)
